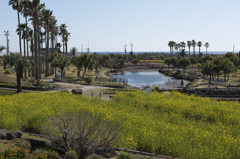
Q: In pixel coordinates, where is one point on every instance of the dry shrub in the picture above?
(82, 132)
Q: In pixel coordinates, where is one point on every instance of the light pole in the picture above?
(7, 34)
(131, 47)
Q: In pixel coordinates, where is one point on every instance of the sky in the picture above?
(108, 25)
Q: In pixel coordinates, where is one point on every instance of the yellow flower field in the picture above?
(171, 124)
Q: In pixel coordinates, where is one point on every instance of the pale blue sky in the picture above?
(148, 24)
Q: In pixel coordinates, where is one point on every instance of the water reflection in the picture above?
(153, 78)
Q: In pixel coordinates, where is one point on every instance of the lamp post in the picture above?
(7, 34)
(131, 47)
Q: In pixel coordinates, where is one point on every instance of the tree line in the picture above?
(209, 65)
(41, 18)
(180, 46)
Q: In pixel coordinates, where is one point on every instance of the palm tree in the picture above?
(63, 61)
(189, 44)
(199, 44)
(193, 45)
(46, 16)
(182, 53)
(66, 40)
(58, 45)
(53, 59)
(87, 62)
(78, 62)
(34, 8)
(62, 32)
(16, 6)
(54, 32)
(22, 28)
(73, 50)
(30, 35)
(184, 63)
(19, 66)
(206, 45)
(2, 48)
(183, 44)
(26, 14)
(171, 45)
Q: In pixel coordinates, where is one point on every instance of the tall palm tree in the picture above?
(17, 6)
(62, 32)
(199, 44)
(66, 41)
(206, 45)
(183, 44)
(46, 16)
(87, 62)
(2, 48)
(34, 8)
(30, 34)
(171, 45)
(22, 28)
(54, 32)
(189, 44)
(193, 45)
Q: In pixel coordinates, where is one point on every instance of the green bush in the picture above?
(71, 155)
(88, 80)
(94, 156)
(179, 76)
(124, 155)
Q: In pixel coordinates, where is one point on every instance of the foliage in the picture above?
(156, 88)
(135, 61)
(124, 155)
(88, 80)
(19, 154)
(71, 154)
(152, 61)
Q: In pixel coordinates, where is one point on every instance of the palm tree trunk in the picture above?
(19, 87)
(84, 72)
(20, 44)
(189, 53)
(66, 47)
(199, 50)
(36, 47)
(63, 44)
(39, 50)
(47, 52)
(42, 60)
(33, 57)
(25, 71)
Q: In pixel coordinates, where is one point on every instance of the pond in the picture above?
(149, 78)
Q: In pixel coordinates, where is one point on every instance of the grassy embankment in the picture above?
(172, 124)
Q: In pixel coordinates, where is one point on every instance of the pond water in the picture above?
(149, 78)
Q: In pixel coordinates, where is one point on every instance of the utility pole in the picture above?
(7, 34)
(125, 51)
(131, 47)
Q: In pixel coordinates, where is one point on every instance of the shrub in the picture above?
(124, 155)
(81, 131)
(179, 76)
(71, 155)
(88, 80)
(134, 61)
(7, 72)
(94, 156)
(156, 88)
(50, 153)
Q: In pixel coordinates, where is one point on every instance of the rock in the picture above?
(105, 152)
(18, 134)
(2, 136)
(9, 136)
